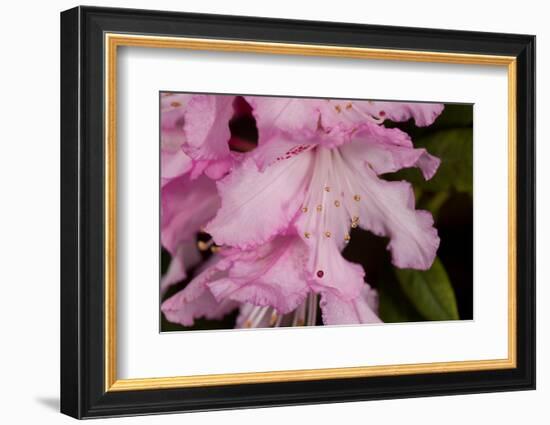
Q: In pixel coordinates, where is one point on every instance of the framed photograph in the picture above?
(261, 212)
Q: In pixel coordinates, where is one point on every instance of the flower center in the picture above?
(331, 204)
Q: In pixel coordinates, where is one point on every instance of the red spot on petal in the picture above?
(320, 273)
(382, 113)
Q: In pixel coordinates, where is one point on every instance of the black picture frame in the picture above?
(83, 392)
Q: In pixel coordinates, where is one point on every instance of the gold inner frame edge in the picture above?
(113, 40)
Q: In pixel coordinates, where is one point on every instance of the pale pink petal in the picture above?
(329, 270)
(339, 120)
(217, 169)
(172, 138)
(195, 135)
(172, 119)
(186, 205)
(276, 276)
(198, 168)
(197, 301)
(284, 115)
(388, 150)
(428, 164)
(173, 164)
(207, 126)
(257, 205)
(329, 122)
(424, 114)
(337, 311)
(387, 209)
(278, 149)
(172, 108)
(301, 121)
(323, 223)
(174, 101)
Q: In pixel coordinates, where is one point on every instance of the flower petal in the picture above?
(323, 224)
(219, 168)
(275, 277)
(256, 205)
(423, 114)
(387, 209)
(388, 150)
(172, 108)
(207, 126)
(172, 117)
(197, 301)
(278, 149)
(186, 205)
(329, 270)
(428, 164)
(173, 164)
(284, 115)
(362, 309)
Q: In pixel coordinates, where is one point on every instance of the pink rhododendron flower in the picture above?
(195, 135)
(282, 213)
(323, 181)
(174, 162)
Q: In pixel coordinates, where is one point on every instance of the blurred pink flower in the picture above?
(195, 139)
(195, 134)
(186, 205)
(173, 161)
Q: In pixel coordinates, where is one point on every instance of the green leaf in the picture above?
(394, 307)
(455, 149)
(429, 291)
(433, 202)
